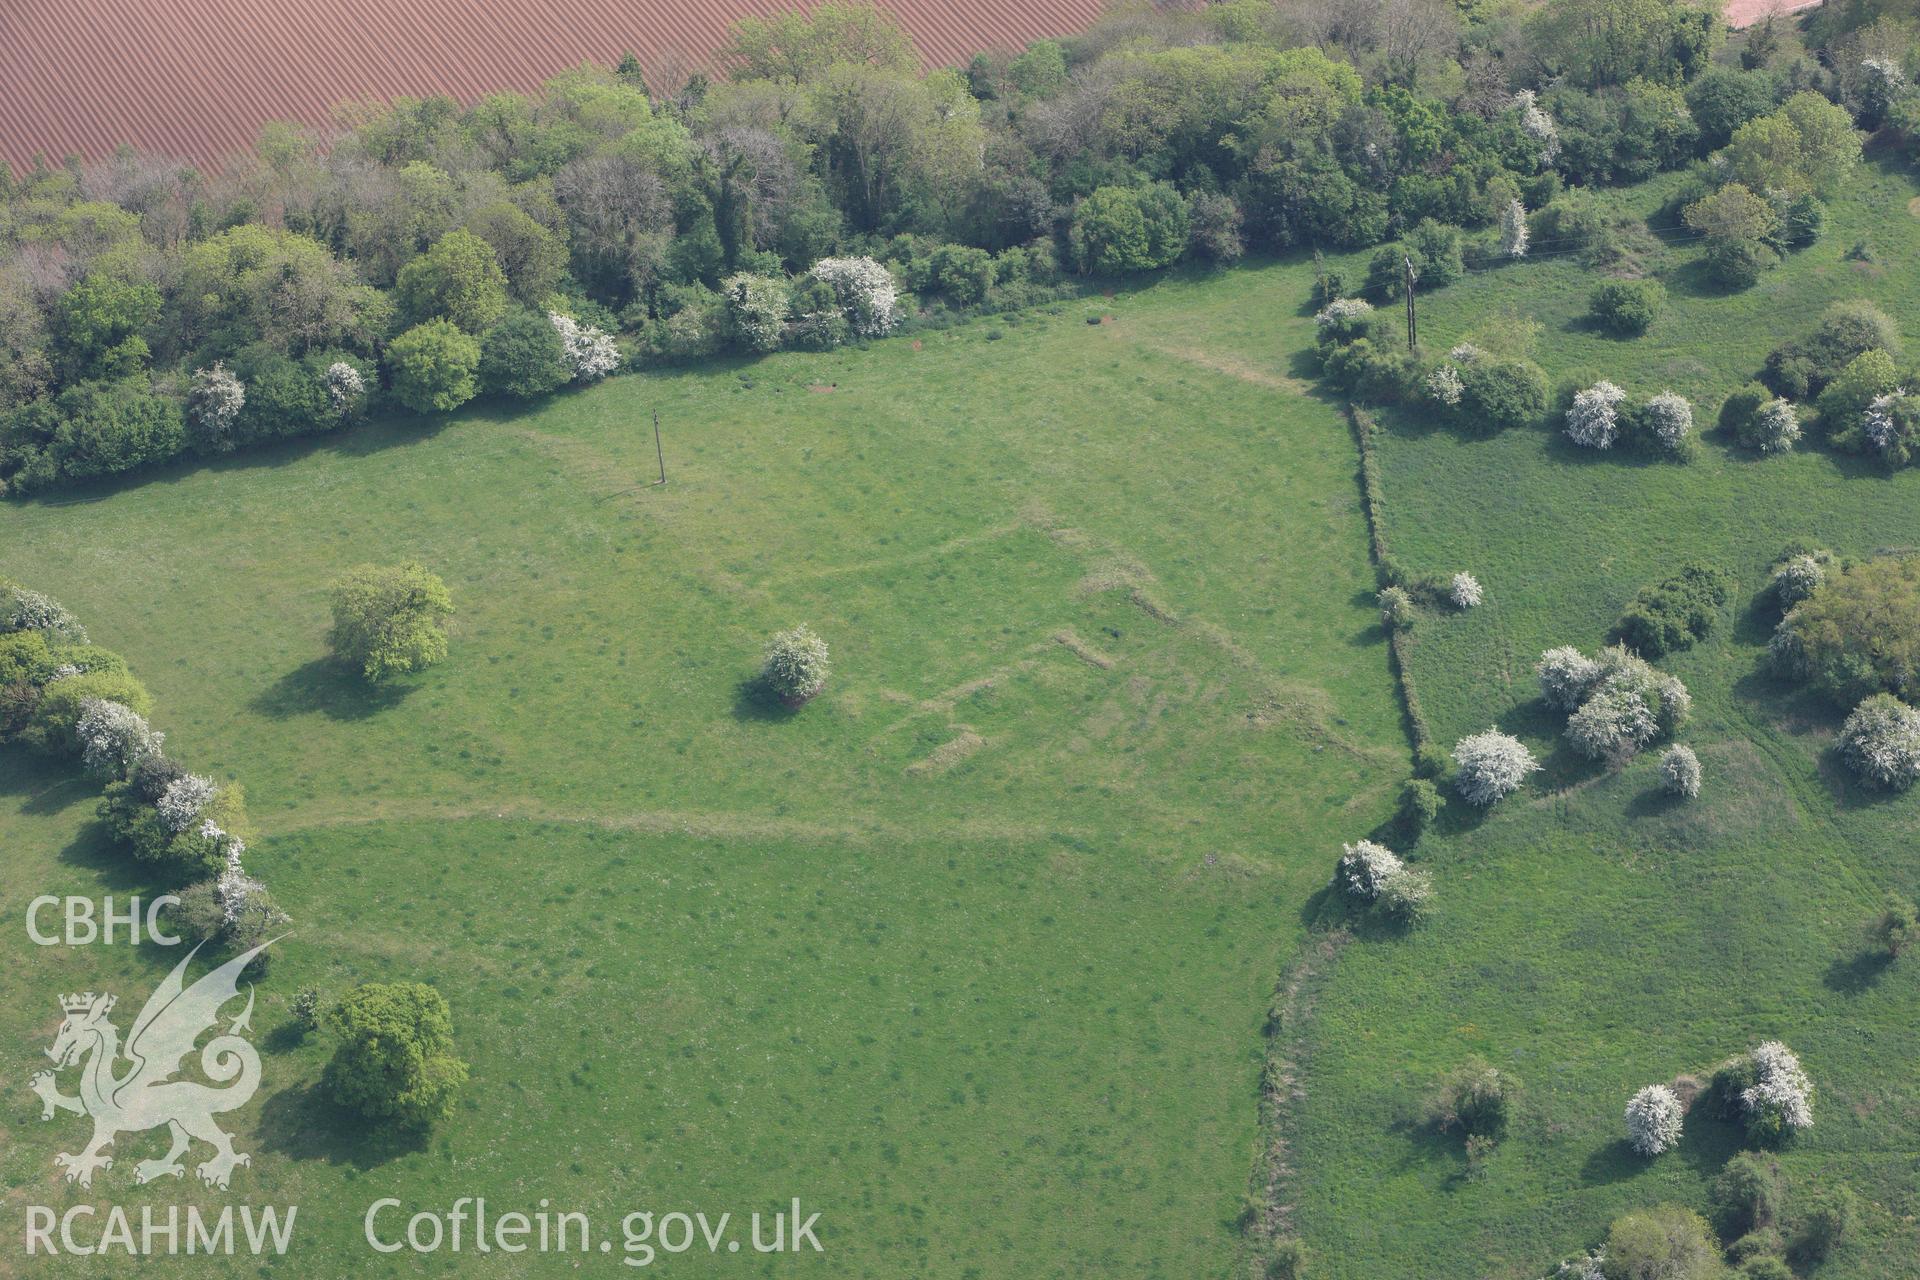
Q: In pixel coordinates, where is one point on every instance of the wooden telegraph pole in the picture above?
(660, 453)
(1413, 329)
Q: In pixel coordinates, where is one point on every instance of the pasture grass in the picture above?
(1592, 935)
(971, 954)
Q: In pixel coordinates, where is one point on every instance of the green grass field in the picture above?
(971, 955)
(1592, 936)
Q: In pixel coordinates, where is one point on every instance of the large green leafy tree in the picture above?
(523, 356)
(1859, 633)
(98, 326)
(434, 366)
(1120, 229)
(460, 279)
(389, 619)
(395, 1061)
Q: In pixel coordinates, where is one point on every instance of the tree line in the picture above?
(824, 190)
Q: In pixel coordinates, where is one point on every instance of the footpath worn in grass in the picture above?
(971, 954)
(1591, 935)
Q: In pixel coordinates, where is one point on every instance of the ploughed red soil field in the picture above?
(1744, 13)
(197, 78)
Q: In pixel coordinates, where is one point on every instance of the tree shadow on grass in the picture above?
(1708, 1141)
(285, 1038)
(1692, 279)
(1655, 802)
(754, 699)
(363, 438)
(1859, 973)
(303, 1124)
(1615, 1162)
(327, 687)
(95, 849)
(47, 785)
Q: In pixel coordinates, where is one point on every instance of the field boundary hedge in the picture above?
(1399, 640)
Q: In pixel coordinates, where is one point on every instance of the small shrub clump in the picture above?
(1653, 1120)
(1593, 421)
(1628, 308)
(1490, 766)
(1880, 742)
(1484, 395)
(1663, 1243)
(1801, 368)
(1680, 771)
(1897, 927)
(1397, 612)
(1475, 1100)
(796, 665)
(1828, 1223)
(1420, 804)
(1676, 611)
(1747, 1198)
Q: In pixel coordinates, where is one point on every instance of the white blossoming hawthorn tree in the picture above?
(1364, 867)
(1796, 578)
(1567, 676)
(114, 738)
(1779, 1102)
(1680, 771)
(1396, 608)
(214, 400)
(1653, 1120)
(1444, 386)
(181, 804)
(1593, 421)
(866, 293)
(24, 610)
(346, 389)
(1537, 124)
(1775, 427)
(1669, 419)
(1880, 742)
(590, 352)
(796, 665)
(1491, 766)
(756, 310)
(1613, 723)
(1513, 230)
(1464, 590)
(1343, 319)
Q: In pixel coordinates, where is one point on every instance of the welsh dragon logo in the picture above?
(144, 1095)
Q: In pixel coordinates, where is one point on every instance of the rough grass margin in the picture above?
(1269, 1214)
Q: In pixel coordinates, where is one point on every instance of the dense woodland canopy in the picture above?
(148, 310)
